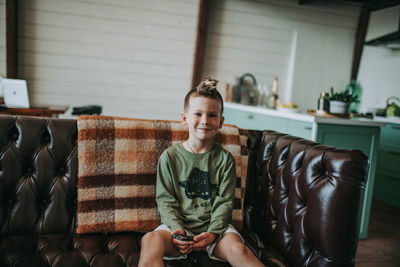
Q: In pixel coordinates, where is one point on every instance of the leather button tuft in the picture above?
(29, 170)
(10, 201)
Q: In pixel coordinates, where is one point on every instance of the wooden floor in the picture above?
(382, 247)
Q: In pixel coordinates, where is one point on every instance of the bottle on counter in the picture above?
(236, 94)
(263, 94)
(321, 106)
(273, 98)
(227, 97)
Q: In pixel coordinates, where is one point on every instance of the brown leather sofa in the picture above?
(302, 205)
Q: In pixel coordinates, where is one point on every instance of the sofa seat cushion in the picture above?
(196, 259)
(116, 249)
(120, 249)
(267, 254)
(271, 257)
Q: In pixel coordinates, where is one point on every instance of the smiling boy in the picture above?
(195, 190)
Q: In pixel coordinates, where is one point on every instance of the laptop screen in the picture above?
(15, 93)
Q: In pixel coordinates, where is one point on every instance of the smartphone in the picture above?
(183, 237)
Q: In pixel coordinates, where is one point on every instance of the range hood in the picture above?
(391, 41)
(384, 28)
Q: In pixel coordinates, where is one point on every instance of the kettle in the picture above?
(246, 94)
(392, 109)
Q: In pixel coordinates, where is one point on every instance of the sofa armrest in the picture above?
(304, 199)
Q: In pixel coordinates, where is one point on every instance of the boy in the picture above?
(195, 190)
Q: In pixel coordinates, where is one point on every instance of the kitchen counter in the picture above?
(377, 121)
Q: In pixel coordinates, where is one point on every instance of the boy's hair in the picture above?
(206, 88)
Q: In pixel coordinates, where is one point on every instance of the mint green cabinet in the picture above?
(390, 137)
(363, 138)
(387, 187)
(387, 184)
(257, 121)
(300, 128)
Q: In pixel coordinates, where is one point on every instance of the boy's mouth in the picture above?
(204, 129)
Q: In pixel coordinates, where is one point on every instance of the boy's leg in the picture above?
(154, 246)
(232, 249)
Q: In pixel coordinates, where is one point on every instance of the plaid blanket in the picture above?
(117, 170)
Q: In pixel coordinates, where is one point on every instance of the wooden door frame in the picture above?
(12, 38)
(200, 42)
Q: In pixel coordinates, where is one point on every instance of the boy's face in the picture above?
(203, 118)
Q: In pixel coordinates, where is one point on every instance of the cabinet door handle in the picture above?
(308, 128)
(391, 177)
(250, 116)
(394, 152)
(395, 127)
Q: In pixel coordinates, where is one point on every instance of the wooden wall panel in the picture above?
(134, 58)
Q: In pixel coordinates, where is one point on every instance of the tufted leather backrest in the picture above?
(305, 198)
(38, 174)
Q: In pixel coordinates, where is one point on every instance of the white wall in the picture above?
(379, 76)
(134, 58)
(309, 47)
(380, 67)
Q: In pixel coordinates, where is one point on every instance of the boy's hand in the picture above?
(184, 247)
(203, 240)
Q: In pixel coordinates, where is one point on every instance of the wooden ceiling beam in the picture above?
(361, 32)
(376, 4)
(381, 4)
(303, 2)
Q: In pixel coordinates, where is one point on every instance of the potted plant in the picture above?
(339, 102)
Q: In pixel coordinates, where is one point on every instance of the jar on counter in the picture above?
(323, 103)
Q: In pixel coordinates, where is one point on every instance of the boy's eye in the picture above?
(197, 114)
(213, 115)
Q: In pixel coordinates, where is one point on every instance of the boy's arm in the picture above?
(167, 204)
(221, 210)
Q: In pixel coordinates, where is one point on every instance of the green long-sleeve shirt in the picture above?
(196, 191)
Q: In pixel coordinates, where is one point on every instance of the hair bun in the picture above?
(207, 86)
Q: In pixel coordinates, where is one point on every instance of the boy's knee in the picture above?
(151, 237)
(241, 249)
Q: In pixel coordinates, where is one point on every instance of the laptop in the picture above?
(15, 93)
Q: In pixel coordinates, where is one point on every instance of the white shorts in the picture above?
(209, 249)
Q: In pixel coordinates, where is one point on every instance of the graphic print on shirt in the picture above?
(198, 185)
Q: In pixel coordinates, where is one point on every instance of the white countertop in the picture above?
(377, 121)
(392, 120)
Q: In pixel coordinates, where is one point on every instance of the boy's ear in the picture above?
(184, 118)
(221, 122)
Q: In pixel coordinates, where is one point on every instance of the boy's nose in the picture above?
(204, 119)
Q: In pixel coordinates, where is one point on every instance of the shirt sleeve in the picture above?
(221, 210)
(167, 204)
